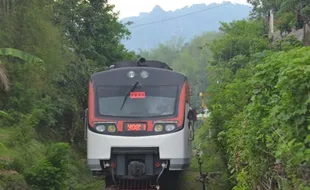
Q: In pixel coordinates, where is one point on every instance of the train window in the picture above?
(156, 101)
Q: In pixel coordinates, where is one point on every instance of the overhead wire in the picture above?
(180, 16)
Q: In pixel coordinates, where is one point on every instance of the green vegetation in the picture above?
(257, 135)
(48, 50)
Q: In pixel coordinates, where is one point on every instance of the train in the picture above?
(139, 125)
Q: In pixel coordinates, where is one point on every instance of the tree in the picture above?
(15, 53)
(242, 37)
(263, 7)
(288, 13)
(92, 29)
(251, 107)
(75, 38)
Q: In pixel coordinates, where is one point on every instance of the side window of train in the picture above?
(192, 114)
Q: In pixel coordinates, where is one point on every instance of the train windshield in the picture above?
(145, 101)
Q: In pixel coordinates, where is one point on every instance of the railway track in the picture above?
(199, 180)
(189, 180)
(168, 181)
(133, 185)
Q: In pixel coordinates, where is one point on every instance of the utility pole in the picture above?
(271, 24)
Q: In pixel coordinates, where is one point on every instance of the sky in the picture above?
(129, 8)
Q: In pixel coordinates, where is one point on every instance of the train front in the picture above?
(137, 123)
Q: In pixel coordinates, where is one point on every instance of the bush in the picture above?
(263, 123)
(44, 176)
(52, 171)
(12, 180)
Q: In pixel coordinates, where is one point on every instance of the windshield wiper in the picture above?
(127, 94)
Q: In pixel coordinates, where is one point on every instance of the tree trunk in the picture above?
(4, 78)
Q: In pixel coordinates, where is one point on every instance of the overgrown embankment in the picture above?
(267, 140)
(26, 163)
(42, 144)
(257, 133)
(259, 103)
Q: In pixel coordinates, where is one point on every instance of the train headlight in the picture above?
(100, 128)
(131, 74)
(169, 127)
(111, 128)
(144, 74)
(158, 127)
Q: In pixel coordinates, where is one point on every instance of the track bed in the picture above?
(168, 181)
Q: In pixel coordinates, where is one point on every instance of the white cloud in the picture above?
(134, 7)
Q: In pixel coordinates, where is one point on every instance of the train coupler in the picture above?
(111, 169)
(164, 166)
(157, 187)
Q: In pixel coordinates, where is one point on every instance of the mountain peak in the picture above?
(153, 28)
(157, 9)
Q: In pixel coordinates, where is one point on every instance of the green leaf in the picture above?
(20, 54)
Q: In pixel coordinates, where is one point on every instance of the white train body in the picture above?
(138, 119)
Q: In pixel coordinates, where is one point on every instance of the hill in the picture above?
(147, 32)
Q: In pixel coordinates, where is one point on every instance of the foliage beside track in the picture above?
(262, 122)
(257, 133)
(259, 103)
(48, 50)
